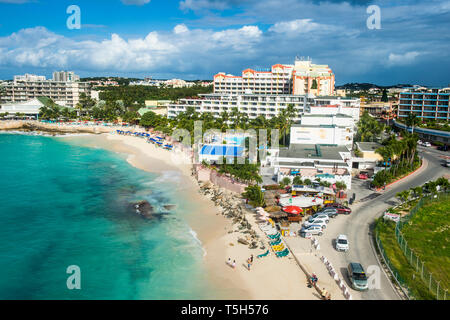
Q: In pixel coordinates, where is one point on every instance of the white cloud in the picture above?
(402, 59)
(135, 2)
(15, 1)
(297, 26)
(178, 51)
(180, 28)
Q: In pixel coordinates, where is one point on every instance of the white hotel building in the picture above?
(301, 78)
(28, 87)
(254, 105)
(265, 93)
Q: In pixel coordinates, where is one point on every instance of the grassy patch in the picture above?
(428, 235)
(408, 275)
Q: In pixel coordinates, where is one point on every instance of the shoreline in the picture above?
(270, 278)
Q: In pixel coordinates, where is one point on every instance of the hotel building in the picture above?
(301, 78)
(28, 87)
(254, 105)
(425, 103)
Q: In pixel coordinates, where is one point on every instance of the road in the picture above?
(357, 225)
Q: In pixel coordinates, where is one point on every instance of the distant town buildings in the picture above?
(174, 83)
(29, 78)
(425, 103)
(303, 77)
(65, 76)
(377, 109)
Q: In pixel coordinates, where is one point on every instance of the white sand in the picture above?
(269, 277)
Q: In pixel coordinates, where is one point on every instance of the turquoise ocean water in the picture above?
(62, 205)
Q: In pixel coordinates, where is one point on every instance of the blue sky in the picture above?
(194, 39)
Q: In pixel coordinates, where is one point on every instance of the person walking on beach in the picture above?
(233, 264)
(325, 295)
(229, 262)
(248, 264)
(251, 259)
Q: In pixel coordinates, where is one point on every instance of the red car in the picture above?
(363, 175)
(340, 208)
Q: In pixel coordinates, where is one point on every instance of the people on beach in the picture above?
(251, 259)
(233, 265)
(248, 264)
(314, 279)
(229, 262)
(325, 294)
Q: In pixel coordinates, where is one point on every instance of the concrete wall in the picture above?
(205, 174)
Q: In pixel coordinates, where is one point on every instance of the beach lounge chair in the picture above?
(279, 247)
(283, 253)
(275, 243)
(264, 254)
(274, 236)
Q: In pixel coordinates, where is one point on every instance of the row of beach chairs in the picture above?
(275, 242)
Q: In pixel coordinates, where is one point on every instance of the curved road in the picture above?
(357, 225)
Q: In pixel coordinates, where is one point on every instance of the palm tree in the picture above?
(404, 195)
(386, 152)
(418, 191)
(298, 180)
(286, 181)
(340, 185)
(412, 120)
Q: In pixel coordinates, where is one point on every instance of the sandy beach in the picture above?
(269, 278)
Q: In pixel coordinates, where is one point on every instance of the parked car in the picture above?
(363, 175)
(319, 216)
(357, 276)
(316, 222)
(419, 142)
(427, 144)
(339, 208)
(329, 211)
(313, 229)
(342, 243)
(447, 163)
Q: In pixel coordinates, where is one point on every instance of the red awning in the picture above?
(293, 209)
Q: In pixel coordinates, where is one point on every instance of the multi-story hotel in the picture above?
(28, 87)
(425, 103)
(254, 105)
(301, 78)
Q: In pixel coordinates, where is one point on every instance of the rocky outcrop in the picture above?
(233, 208)
(35, 126)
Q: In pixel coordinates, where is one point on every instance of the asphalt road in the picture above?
(357, 225)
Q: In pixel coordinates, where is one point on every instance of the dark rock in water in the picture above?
(144, 209)
(169, 206)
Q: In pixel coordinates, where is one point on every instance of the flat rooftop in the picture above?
(368, 146)
(313, 151)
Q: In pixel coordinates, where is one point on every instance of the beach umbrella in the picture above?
(293, 209)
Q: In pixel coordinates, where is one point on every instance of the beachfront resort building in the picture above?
(320, 146)
(29, 108)
(425, 103)
(254, 105)
(301, 78)
(330, 163)
(28, 87)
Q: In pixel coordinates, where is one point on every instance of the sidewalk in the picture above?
(310, 262)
